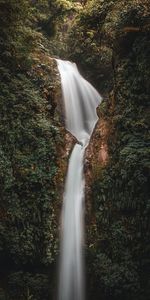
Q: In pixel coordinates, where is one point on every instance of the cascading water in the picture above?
(80, 102)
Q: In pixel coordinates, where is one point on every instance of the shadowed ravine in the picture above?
(80, 102)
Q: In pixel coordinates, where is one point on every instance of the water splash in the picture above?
(80, 102)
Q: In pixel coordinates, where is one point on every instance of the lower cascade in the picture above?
(80, 102)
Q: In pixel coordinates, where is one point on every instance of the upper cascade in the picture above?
(80, 101)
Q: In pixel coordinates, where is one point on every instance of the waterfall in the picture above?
(80, 102)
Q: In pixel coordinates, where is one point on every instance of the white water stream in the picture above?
(80, 102)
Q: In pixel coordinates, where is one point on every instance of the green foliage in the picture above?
(29, 140)
(86, 47)
(28, 164)
(110, 42)
(15, 35)
(29, 286)
(96, 31)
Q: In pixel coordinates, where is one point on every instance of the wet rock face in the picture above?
(116, 165)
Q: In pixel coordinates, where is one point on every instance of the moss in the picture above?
(30, 136)
(110, 42)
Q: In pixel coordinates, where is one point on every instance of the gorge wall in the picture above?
(110, 42)
(31, 137)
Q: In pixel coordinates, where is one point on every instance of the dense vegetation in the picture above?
(110, 41)
(30, 136)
